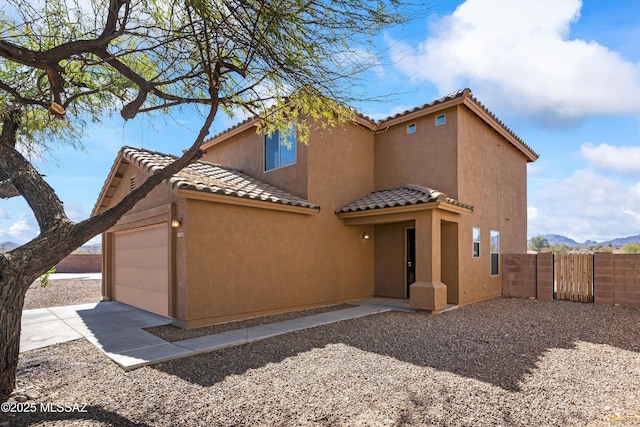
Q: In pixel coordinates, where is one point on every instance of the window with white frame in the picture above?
(411, 128)
(476, 242)
(441, 119)
(495, 252)
(280, 148)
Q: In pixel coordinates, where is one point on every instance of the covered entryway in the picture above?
(416, 253)
(141, 268)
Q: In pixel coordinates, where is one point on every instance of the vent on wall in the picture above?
(132, 183)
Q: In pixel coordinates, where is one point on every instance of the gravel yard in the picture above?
(62, 292)
(504, 362)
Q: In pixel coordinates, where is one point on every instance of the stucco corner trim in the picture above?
(239, 201)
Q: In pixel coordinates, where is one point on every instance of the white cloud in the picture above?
(520, 52)
(19, 230)
(586, 205)
(622, 159)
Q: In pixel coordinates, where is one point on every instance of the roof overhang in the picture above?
(252, 203)
(111, 184)
(395, 213)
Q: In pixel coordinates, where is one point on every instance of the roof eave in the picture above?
(98, 207)
(486, 117)
(406, 208)
(241, 201)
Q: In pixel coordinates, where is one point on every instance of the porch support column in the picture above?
(428, 292)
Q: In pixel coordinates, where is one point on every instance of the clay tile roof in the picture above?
(407, 195)
(212, 178)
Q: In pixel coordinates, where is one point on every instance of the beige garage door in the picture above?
(141, 276)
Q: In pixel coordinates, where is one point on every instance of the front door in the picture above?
(411, 257)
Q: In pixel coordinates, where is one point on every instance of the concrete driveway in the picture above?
(117, 330)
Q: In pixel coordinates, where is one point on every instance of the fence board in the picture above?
(574, 277)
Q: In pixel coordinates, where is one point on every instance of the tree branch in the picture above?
(41, 197)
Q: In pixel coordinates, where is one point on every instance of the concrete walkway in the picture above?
(117, 330)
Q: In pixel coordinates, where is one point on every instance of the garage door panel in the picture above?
(141, 272)
(152, 257)
(155, 302)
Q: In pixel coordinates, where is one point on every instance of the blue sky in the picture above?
(562, 74)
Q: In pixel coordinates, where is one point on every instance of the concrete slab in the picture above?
(139, 357)
(84, 276)
(44, 334)
(394, 304)
(37, 315)
(209, 342)
(124, 340)
(254, 333)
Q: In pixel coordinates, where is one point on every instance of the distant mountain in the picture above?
(621, 241)
(557, 239)
(8, 246)
(92, 249)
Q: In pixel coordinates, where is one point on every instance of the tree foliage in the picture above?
(631, 248)
(537, 243)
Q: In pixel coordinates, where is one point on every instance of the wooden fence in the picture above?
(574, 277)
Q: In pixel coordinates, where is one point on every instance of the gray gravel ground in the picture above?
(504, 362)
(62, 292)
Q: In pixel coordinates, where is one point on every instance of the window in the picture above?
(441, 119)
(495, 253)
(280, 148)
(476, 242)
(411, 128)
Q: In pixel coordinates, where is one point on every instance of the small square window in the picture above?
(411, 128)
(441, 119)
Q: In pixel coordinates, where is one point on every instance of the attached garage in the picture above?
(141, 268)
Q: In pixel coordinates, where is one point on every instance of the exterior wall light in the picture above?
(175, 223)
(365, 236)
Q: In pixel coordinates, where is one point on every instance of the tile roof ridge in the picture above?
(435, 194)
(466, 92)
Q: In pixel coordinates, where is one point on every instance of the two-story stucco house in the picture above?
(419, 205)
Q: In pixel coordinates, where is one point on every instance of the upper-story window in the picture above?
(280, 148)
(411, 128)
(441, 119)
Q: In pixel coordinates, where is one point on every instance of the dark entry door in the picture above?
(411, 257)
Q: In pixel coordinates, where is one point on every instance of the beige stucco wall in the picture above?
(427, 157)
(493, 178)
(244, 262)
